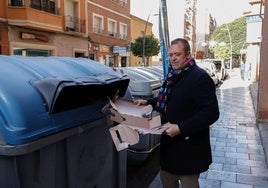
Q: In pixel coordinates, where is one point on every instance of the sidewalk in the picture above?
(238, 145)
(263, 126)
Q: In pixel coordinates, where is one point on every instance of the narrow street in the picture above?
(238, 155)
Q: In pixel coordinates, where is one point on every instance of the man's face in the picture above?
(177, 55)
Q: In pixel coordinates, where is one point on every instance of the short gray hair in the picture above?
(185, 43)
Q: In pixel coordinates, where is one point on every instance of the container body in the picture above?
(82, 156)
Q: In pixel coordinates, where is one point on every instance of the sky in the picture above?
(224, 11)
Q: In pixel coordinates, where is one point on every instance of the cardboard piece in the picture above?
(132, 120)
(123, 136)
(136, 116)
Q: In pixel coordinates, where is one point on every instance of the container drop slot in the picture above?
(61, 95)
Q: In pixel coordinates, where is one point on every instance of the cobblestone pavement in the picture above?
(238, 154)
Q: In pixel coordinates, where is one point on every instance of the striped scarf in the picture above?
(171, 79)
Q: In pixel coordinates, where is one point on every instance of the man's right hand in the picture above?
(140, 102)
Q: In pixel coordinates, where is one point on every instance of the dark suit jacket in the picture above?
(193, 106)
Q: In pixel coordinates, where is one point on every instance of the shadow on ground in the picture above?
(142, 175)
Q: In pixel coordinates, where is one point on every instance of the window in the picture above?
(36, 4)
(32, 52)
(123, 31)
(123, 3)
(44, 5)
(79, 54)
(18, 3)
(111, 28)
(48, 6)
(98, 24)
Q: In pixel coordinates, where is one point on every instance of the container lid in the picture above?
(43, 95)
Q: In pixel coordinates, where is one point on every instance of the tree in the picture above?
(152, 46)
(221, 40)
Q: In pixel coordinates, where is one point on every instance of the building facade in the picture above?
(109, 31)
(262, 107)
(138, 30)
(254, 31)
(99, 30)
(43, 28)
(190, 24)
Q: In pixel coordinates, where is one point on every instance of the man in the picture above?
(188, 105)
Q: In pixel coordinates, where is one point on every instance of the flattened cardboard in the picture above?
(123, 136)
(133, 120)
(133, 115)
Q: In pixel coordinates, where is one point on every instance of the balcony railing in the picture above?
(112, 34)
(75, 24)
(123, 36)
(98, 30)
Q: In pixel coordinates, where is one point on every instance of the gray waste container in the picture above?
(155, 71)
(142, 86)
(53, 132)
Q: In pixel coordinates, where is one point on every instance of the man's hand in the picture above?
(140, 102)
(172, 129)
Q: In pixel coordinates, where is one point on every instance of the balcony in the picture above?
(75, 24)
(43, 5)
(26, 13)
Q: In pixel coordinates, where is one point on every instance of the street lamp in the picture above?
(143, 41)
(231, 46)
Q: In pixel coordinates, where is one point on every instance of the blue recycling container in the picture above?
(43, 95)
(52, 129)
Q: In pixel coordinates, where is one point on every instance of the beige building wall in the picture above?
(137, 30)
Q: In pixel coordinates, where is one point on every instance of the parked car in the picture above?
(211, 70)
(221, 67)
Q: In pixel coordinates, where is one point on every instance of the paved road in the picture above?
(238, 155)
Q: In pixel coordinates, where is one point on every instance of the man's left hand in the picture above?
(172, 129)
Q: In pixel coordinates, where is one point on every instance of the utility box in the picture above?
(53, 131)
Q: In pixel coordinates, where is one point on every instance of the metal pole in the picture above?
(143, 42)
(164, 35)
(89, 45)
(231, 47)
